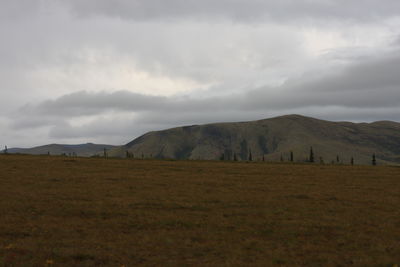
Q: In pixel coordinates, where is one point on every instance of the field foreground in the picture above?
(57, 211)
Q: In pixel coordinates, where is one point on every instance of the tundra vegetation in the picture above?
(293, 138)
(65, 211)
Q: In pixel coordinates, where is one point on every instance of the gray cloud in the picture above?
(364, 91)
(373, 84)
(237, 10)
(107, 71)
(396, 41)
(85, 104)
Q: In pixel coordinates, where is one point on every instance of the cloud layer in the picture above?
(368, 91)
(247, 10)
(108, 71)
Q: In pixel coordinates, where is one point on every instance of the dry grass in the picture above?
(91, 212)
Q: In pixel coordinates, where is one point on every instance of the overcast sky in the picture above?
(77, 71)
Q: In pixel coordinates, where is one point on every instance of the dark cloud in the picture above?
(372, 84)
(83, 103)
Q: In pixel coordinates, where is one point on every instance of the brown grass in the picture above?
(59, 211)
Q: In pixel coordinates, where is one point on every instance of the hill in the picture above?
(272, 139)
(83, 150)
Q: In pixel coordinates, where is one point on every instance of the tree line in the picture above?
(310, 159)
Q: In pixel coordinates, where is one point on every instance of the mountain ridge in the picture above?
(271, 139)
(84, 150)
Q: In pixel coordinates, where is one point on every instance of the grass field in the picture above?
(57, 211)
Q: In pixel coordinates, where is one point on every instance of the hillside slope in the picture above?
(272, 139)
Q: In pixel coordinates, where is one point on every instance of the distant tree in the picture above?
(311, 159)
(129, 154)
(234, 157)
(373, 159)
(250, 155)
(352, 161)
(291, 156)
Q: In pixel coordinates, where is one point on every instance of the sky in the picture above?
(101, 71)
